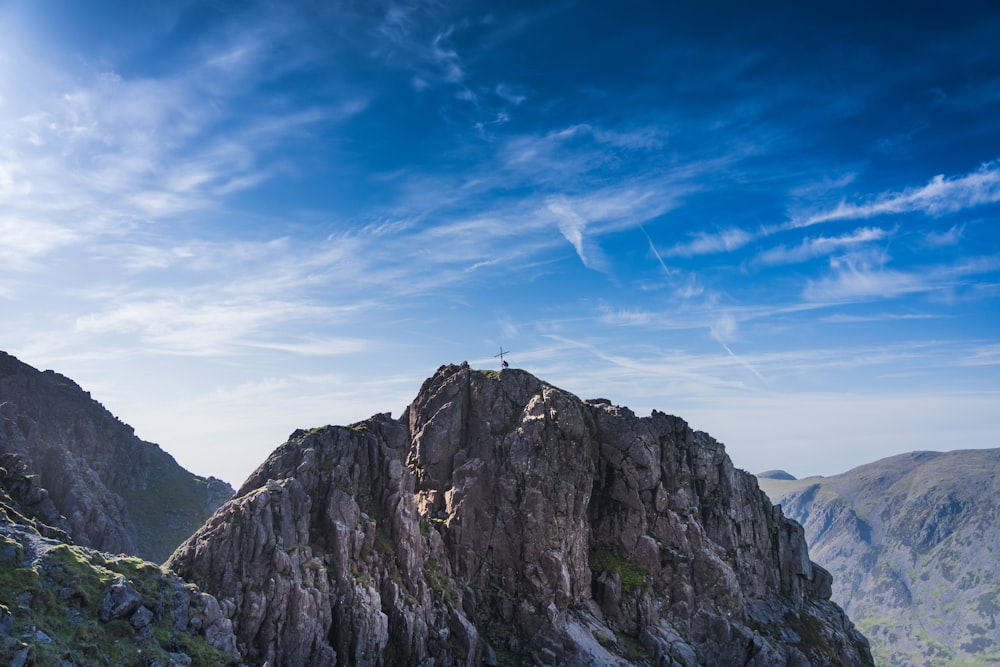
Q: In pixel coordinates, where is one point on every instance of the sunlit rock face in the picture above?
(502, 520)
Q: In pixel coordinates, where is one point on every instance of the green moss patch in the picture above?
(634, 577)
(54, 607)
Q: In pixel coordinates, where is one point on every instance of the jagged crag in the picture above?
(502, 521)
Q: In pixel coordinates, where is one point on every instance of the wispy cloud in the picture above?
(572, 225)
(939, 196)
(813, 247)
(446, 58)
(842, 318)
(419, 37)
(699, 381)
(512, 94)
(104, 150)
(571, 153)
(987, 354)
(637, 139)
(935, 239)
(723, 330)
(704, 372)
(22, 243)
(857, 277)
(704, 243)
(656, 253)
(314, 346)
(189, 325)
(864, 276)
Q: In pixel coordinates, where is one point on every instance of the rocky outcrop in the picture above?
(94, 478)
(912, 543)
(503, 521)
(70, 605)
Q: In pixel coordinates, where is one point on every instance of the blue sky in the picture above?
(228, 220)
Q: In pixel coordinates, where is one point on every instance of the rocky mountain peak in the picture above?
(501, 520)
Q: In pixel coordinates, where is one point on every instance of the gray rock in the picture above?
(141, 618)
(120, 600)
(500, 511)
(179, 660)
(20, 657)
(6, 621)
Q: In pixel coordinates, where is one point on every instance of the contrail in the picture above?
(652, 247)
(740, 361)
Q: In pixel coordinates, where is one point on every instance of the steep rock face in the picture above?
(502, 521)
(912, 543)
(103, 486)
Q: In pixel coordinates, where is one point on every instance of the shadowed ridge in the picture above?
(108, 489)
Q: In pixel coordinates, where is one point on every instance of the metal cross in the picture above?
(502, 352)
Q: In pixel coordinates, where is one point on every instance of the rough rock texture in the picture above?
(70, 605)
(502, 521)
(912, 542)
(90, 474)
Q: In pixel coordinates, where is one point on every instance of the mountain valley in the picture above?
(911, 541)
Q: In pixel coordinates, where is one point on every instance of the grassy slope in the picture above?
(50, 599)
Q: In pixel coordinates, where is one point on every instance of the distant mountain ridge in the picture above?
(913, 543)
(775, 474)
(95, 479)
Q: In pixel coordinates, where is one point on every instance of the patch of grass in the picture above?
(10, 550)
(810, 630)
(55, 606)
(633, 576)
(365, 579)
(161, 526)
(383, 543)
(985, 660)
(438, 580)
(631, 649)
(605, 640)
